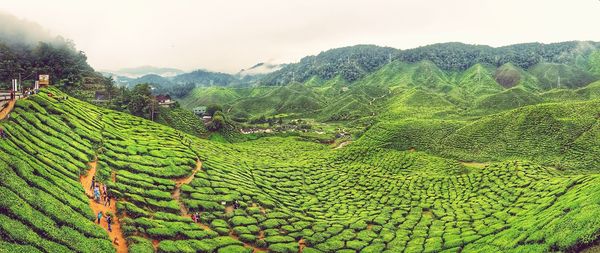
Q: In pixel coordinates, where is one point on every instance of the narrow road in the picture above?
(86, 181)
(342, 144)
(7, 109)
(181, 181)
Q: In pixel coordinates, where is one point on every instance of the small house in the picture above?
(206, 118)
(200, 110)
(100, 96)
(164, 100)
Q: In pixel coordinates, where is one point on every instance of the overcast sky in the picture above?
(223, 35)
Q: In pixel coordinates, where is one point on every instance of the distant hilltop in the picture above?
(145, 70)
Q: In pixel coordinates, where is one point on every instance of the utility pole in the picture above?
(152, 109)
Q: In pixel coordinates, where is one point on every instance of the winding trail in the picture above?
(86, 181)
(181, 181)
(342, 144)
(7, 109)
(176, 195)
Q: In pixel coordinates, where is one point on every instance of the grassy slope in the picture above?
(356, 198)
(551, 133)
(480, 87)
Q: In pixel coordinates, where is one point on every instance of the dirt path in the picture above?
(474, 164)
(181, 181)
(229, 209)
(184, 212)
(592, 249)
(86, 181)
(342, 144)
(7, 109)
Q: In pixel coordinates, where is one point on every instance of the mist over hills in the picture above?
(144, 70)
(535, 66)
(443, 148)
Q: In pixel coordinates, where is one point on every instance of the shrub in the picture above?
(234, 249)
(242, 220)
(284, 247)
(139, 245)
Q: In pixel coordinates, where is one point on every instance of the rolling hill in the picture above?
(442, 148)
(292, 194)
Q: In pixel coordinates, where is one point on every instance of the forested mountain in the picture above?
(205, 78)
(475, 79)
(146, 70)
(459, 56)
(442, 148)
(349, 62)
(352, 63)
(28, 50)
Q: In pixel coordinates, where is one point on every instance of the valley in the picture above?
(446, 147)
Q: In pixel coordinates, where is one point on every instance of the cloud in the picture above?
(230, 35)
(19, 31)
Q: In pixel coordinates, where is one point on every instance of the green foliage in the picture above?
(349, 62)
(58, 58)
(396, 189)
(141, 101)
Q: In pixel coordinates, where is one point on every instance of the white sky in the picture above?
(225, 35)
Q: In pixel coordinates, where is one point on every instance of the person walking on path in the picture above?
(99, 217)
(93, 182)
(109, 222)
(97, 194)
(106, 199)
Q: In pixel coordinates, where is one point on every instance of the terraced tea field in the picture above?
(292, 196)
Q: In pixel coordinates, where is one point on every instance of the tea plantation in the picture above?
(379, 194)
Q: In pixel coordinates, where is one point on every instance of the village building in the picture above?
(207, 118)
(200, 110)
(164, 100)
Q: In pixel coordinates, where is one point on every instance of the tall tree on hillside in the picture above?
(109, 86)
(217, 122)
(140, 99)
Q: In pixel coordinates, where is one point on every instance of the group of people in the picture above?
(101, 197)
(31, 91)
(108, 220)
(196, 217)
(2, 133)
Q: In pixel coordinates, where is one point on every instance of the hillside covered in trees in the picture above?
(449, 148)
(26, 49)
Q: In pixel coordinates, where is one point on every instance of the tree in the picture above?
(217, 122)
(140, 100)
(213, 108)
(109, 86)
